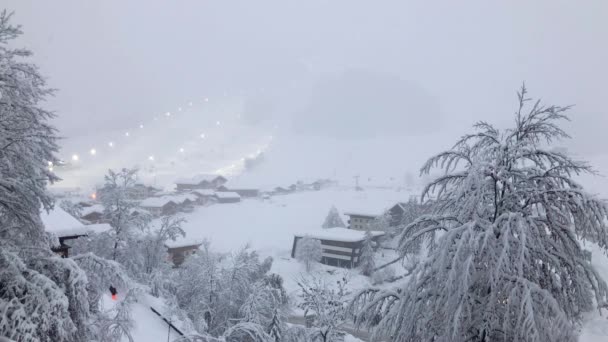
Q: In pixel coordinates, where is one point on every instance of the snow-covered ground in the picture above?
(269, 226)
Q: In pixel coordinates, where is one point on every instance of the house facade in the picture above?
(360, 221)
(178, 252)
(341, 247)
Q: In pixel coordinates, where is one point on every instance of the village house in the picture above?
(204, 196)
(200, 182)
(341, 246)
(159, 206)
(92, 214)
(241, 190)
(227, 197)
(177, 252)
(141, 191)
(66, 227)
(360, 220)
(396, 214)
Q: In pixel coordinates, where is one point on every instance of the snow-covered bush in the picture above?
(333, 219)
(325, 305)
(506, 262)
(382, 275)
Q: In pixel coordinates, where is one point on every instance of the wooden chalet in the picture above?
(177, 252)
(341, 246)
(200, 182)
(92, 214)
(159, 206)
(204, 196)
(227, 197)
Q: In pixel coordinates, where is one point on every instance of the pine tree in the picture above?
(42, 297)
(367, 262)
(333, 219)
(309, 251)
(507, 264)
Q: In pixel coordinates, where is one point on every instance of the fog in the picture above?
(352, 70)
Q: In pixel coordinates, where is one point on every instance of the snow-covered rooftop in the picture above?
(227, 194)
(60, 223)
(156, 202)
(339, 234)
(95, 208)
(98, 227)
(58, 220)
(184, 242)
(204, 192)
(184, 197)
(197, 179)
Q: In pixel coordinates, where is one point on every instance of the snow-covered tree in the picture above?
(276, 327)
(309, 251)
(116, 199)
(216, 290)
(42, 297)
(71, 208)
(325, 305)
(506, 261)
(367, 262)
(153, 243)
(381, 223)
(333, 219)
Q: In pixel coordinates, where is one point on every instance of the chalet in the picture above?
(158, 206)
(246, 192)
(341, 246)
(204, 196)
(184, 202)
(141, 191)
(360, 220)
(178, 251)
(200, 182)
(227, 197)
(138, 212)
(242, 191)
(396, 213)
(281, 190)
(66, 227)
(92, 214)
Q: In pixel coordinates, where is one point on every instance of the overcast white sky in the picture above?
(446, 63)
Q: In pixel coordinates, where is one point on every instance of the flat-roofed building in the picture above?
(341, 246)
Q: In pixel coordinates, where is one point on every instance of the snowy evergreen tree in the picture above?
(309, 251)
(367, 262)
(326, 306)
(506, 263)
(333, 219)
(42, 297)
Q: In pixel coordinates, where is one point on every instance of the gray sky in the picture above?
(446, 63)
